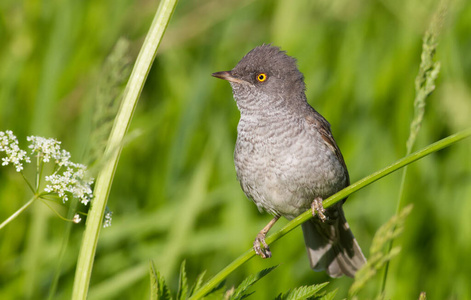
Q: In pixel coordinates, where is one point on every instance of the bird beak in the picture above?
(227, 75)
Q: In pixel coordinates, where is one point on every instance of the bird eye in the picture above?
(262, 77)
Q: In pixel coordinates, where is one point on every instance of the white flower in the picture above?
(73, 181)
(68, 177)
(15, 156)
(73, 178)
(107, 221)
(47, 149)
(76, 219)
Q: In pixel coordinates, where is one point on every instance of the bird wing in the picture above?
(323, 127)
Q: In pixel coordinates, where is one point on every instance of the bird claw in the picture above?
(318, 209)
(261, 247)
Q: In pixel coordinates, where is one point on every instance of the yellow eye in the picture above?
(262, 77)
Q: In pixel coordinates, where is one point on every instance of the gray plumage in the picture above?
(285, 156)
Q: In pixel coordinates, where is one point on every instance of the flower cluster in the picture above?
(15, 156)
(68, 177)
(107, 221)
(46, 149)
(71, 180)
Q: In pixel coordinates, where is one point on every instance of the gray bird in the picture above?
(286, 158)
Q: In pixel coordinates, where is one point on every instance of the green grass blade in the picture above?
(113, 148)
(424, 86)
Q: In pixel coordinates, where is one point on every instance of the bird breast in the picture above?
(283, 164)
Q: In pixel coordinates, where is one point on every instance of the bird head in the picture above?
(263, 76)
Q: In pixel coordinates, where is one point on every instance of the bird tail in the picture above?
(332, 247)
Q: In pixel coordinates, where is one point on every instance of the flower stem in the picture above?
(43, 200)
(18, 212)
(28, 183)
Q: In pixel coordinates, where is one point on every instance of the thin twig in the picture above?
(18, 212)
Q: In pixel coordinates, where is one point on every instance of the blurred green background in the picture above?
(175, 195)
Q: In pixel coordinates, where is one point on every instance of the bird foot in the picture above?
(318, 209)
(261, 247)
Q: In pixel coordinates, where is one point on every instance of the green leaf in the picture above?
(183, 284)
(198, 283)
(217, 293)
(239, 293)
(329, 295)
(163, 292)
(302, 292)
(159, 289)
(154, 286)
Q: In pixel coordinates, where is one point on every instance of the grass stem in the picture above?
(448, 141)
(114, 146)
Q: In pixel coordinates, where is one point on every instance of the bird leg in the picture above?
(318, 208)
(259, 245)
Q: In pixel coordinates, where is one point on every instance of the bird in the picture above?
(287, 160)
